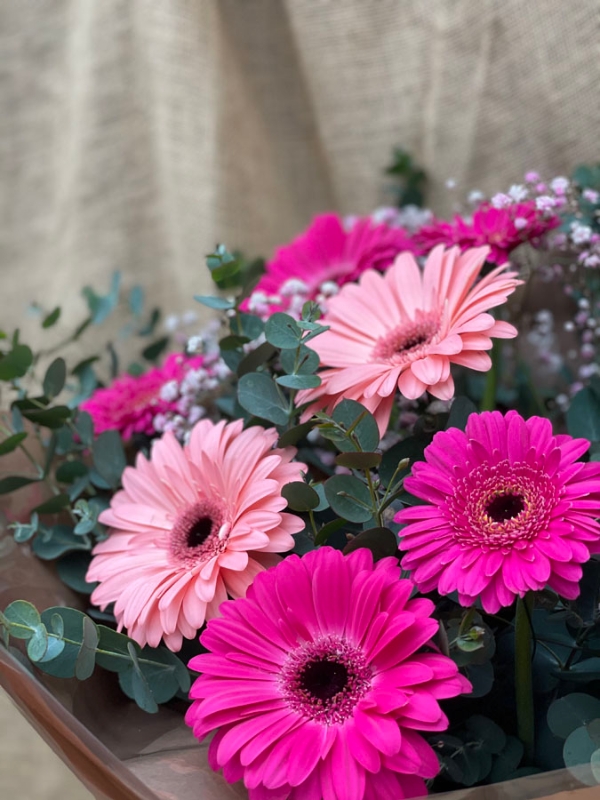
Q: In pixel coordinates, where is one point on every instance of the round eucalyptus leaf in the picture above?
(300, 496)
(283, 331)
(349, 498)
(571, 712)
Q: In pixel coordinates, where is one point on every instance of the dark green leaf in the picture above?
(72, 569)
(23, 619)
(232, 342)
(148, 328)
(55, 377)
(307, 361)
(86, 658)
(380, 541)
(258, 394)
(282, 331)
(508, 760)
(583, 672)
(53, 418)
(69, 471)
(365, 432)
(571, 712)
(481, 677)
(54, 505)
(136, 300)
(14, 482)
(300, 496)
(84, 426)
(583, 416)
(411, 448)
(255, 358)
(461, 409)
(491, 735)
(247, 325)
(16, 419)
(220, 303)
(63, 666)
(51, 318)
(294, 434)
(153, 351)
(109, 457)
(303, 543)
(299, 381)
(358, 460)
(328, 530)
(11, 443)
(348, 497)
(580, 745)
(60, 539)
(135, 685)
(16, 362)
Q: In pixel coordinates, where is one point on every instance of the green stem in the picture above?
(488, 401)
(373, 491)
(523, 674)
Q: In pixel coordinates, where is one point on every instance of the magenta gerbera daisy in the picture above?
(131, 402)
(508, 509)
(317, 684)
(325, 256)
(192, 525)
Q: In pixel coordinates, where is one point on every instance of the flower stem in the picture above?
(523, 674)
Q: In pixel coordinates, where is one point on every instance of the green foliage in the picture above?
(258, 393)
(462, 408)
(583, 416)
(55, 378)
(410, 176)
(351, 427)
(300, 496)
(11, 443)
(349, 498)
(15, 363)
(109, 457)
(66, 643)
(380, 541)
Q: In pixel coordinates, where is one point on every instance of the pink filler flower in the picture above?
(404, 328)
(316, 685)
(509, 509)
(130, 403)
(327, 253)
(192, 525)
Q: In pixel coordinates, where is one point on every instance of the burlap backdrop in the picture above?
(137, 133)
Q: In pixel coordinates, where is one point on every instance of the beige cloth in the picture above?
(134, 134)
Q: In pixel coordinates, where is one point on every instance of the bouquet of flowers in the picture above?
(346, 535)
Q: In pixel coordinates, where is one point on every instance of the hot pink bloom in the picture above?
(192, 525)
(326, 253)
(130, 403)
(509, 509)
(404, 329)
(502, 229)
(316, 685)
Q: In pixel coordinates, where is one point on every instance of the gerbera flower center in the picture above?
(323, 680)
(409, 340)
(501, 506)
(199, 533)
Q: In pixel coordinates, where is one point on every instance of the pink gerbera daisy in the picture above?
(509, 509)
(130, 404)
(192, 525)
(502, 229)
(404, 329)
(316, 684)
(322, 258)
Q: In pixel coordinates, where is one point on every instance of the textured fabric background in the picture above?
(134, 134)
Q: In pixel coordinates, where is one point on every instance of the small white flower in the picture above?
(501, 200)
(189, 317)
(171, 323)
(169, 392)
(517, 192)
(559, 185)
(591, 195)
(545, 203)
(520, 223)
(580, 234)
(194, 344)
(329, 288)
(196, 413)
(293, 286)
(475, 197)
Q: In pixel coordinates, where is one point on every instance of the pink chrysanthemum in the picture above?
(509, 509)
(316, 685)
(502, 229)
(325, 256)
(404, 329)
(130, 404)
(192, 525)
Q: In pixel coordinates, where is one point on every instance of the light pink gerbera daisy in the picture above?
(509, 509)
(324, 257)
(404, 329)
(192, 525)
(131, 402)
(316, 684)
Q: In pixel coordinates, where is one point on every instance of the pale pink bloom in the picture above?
(317, 684)
(192, 525)
(403, 329)
(508, 509)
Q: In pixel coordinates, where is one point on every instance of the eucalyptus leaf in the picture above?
(255, 358)
(491, 735)
(23, 619)
(86, 658)
(14, 482)
(69, 471)
(380, 541)
(72, 569)
(109, 457)
(293, 435)
(247, 325)
(52, 418)
(219, 303)
(63, 665)
(299, 381)
(56, 541)
(16, 362)
(300, 496)
(259, 395)
(358, 460)
(55, 377)
(53, 505)
(581, 744)
(365, 431)
(508, 760)
(583, 415)
(51, 318)
(11, 443)
(571, 712)
(348, 497)
(460, 411)
(302, 362)
(38, 644)
(283, 331)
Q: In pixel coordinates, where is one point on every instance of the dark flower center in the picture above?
(505, 506)
(410, 343)
(324, 679)
(199, 531)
